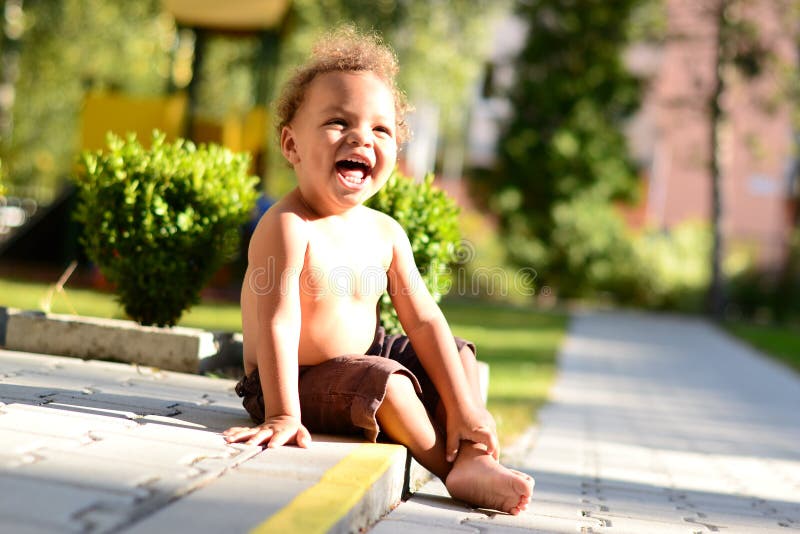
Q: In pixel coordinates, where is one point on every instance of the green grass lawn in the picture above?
(519, 344)
(34, 296)
(780, 342)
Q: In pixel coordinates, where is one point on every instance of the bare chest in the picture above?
(346, 267)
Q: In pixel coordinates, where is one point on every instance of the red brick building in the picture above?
(671, 136)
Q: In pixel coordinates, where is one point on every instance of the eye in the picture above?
(337, 122)
(384, 130)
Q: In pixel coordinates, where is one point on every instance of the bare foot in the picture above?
(479, 479)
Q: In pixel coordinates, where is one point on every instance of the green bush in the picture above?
(594, 254)
(430, 218)
(159, 222)
(672, 269)
(590, 250)
(767, 295)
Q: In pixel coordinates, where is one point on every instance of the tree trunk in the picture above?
(716, 294)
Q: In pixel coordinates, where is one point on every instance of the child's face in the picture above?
(341, 141)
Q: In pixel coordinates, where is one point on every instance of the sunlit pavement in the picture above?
(658, 423)
(93, 447)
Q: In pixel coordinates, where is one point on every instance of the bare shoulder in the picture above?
(283, 228)
(386, 225)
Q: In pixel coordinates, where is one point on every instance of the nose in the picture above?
(361, 136)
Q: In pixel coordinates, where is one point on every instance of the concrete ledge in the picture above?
(175, 348)
(349, 497)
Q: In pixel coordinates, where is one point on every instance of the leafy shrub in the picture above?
(672, 268)
(771, 295)
(594, 254)
(159, 222)
(590, 250)
(430, 219)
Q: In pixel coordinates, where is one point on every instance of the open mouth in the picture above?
(354, 171)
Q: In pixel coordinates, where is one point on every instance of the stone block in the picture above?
(299, 464)
(236, 502)
(59, 423)
(118, 475)
(49, 505)
(213, 419)
(175, 348)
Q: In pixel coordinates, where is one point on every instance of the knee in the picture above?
(400, 388)
(468, 359)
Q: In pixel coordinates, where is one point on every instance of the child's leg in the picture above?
(470, 365)
(403, 417)
(475, 476)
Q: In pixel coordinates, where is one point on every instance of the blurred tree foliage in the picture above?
(70, 46)
(563, 157)
(67, 47)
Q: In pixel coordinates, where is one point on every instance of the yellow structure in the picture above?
(118, 113)
(175, 114)
(231, 15)
(240, 133)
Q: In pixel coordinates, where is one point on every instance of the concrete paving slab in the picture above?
(398, 526)
(236, 502)
(210, 418)
(17, 443)
(88, 471)
(149, 431)
(61, 421)
(295, 463)
(50, 504)
(90, 398)
(145, 451)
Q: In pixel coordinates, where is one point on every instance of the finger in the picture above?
(486, 437)
(279, 438)
(261, 436)
(451, 448)
(241, 435)
(494, 447)
(234, 430)
(303, 438)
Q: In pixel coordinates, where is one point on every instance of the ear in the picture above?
(288, 145)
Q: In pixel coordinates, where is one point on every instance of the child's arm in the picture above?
(432, 339)
(276, 256)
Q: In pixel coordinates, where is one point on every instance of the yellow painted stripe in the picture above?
(321, 506)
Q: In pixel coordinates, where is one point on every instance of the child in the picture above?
(319, 261)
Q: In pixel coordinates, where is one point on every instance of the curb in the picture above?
(175, 348)
(350, 497)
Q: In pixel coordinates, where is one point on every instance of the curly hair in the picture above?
(344, 50)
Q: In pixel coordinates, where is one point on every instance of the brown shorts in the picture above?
(342, 395)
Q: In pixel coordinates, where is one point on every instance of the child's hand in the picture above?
(477, 426)
(275, 431)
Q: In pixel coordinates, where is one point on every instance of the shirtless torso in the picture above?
(340, 282)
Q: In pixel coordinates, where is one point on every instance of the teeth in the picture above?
(361, 161)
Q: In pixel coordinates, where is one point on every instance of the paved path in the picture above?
(94, 447)
(658, 424)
